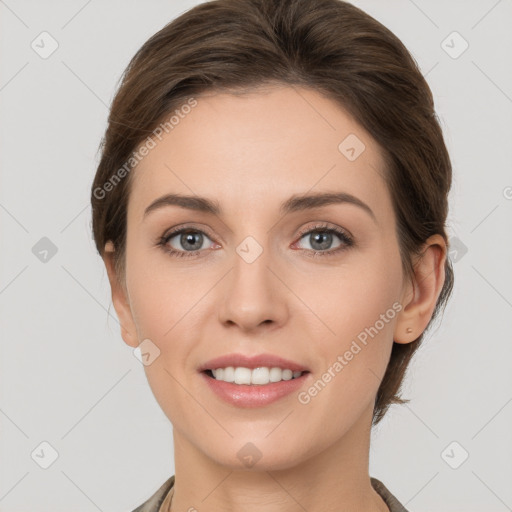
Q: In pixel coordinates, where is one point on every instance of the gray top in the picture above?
(164, 494)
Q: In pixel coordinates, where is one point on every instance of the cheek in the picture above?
(355, 357)
(164, 305)
(156, 296)
(360, 304)
(350, 297)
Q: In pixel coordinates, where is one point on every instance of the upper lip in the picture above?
(256, 361)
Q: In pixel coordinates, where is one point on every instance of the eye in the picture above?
(320, 239)
(184, 242)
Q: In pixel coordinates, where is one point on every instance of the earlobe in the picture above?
(120, 299)
(420, 296)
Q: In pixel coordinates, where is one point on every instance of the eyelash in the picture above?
(346, 240)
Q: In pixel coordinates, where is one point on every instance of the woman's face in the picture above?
(245, 280)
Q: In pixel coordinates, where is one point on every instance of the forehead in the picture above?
(269, 143)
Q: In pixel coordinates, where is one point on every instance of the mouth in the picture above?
(253, 380)
(244, 387)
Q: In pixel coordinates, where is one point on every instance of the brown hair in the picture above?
(330, 46)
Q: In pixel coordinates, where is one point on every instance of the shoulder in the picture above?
(155, 501)
(390, 500)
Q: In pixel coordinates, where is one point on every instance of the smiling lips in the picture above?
(253, 381)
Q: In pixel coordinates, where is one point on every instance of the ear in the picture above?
(420, 294)
(120, 299)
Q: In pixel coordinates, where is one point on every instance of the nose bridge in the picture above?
(252, 293)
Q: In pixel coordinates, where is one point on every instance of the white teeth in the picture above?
(258, 376)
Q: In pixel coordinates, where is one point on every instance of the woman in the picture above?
(270, 207)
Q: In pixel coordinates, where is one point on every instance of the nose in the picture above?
(254, 298)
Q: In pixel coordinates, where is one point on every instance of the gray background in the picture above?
(66, 376)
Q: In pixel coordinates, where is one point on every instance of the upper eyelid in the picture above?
(179, 229)
(324, 226)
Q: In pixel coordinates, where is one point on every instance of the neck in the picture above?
(334, 479)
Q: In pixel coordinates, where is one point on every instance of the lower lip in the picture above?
(243, 395)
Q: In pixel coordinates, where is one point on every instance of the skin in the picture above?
(315, 455)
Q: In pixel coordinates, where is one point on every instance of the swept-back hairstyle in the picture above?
(329, 46)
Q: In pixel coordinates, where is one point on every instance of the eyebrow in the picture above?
(294, 204)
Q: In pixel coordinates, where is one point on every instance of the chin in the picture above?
(257, 457)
